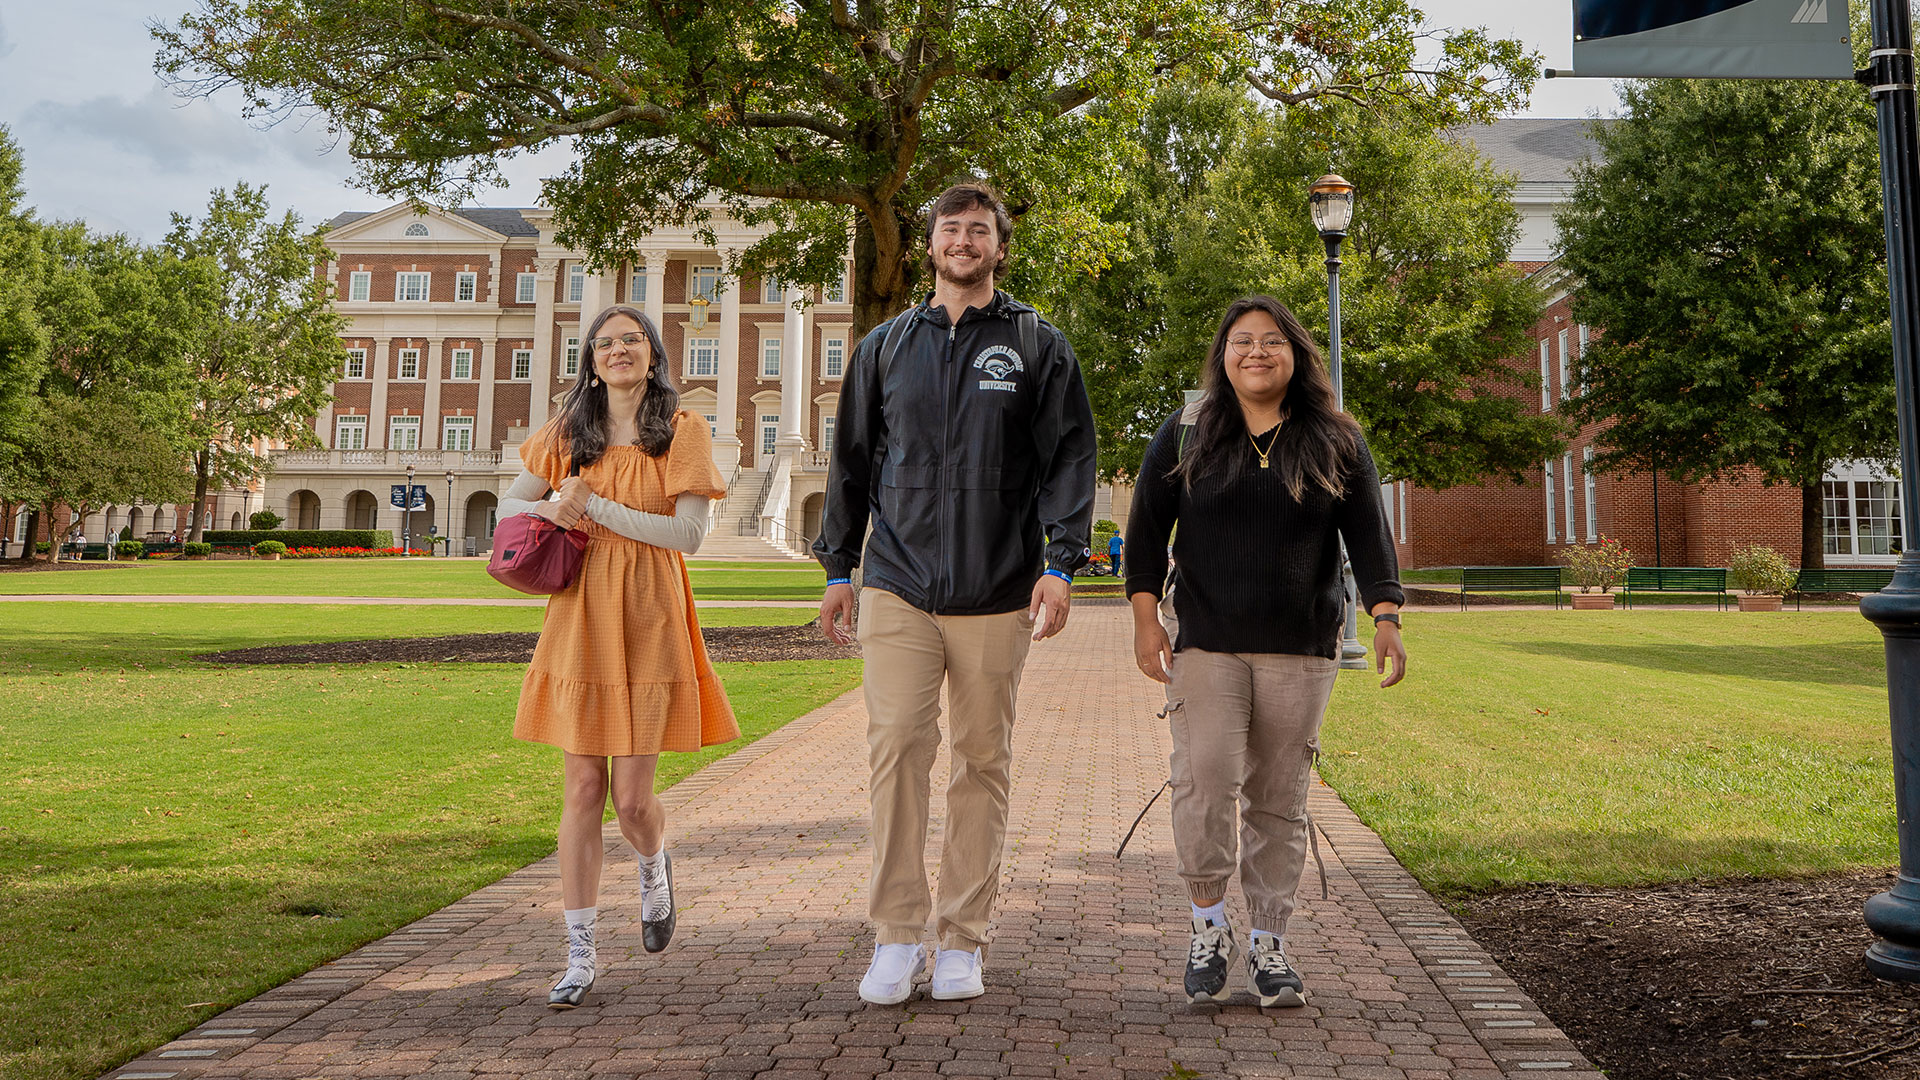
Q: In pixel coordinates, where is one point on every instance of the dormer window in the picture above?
(416, 229)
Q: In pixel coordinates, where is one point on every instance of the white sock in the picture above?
(656, 900)
(1215, 914)
(1279, 940)
(582, 954)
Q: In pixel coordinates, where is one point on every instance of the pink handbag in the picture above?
(536, 556)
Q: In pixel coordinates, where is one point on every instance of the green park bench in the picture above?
(1851, 581)
(1509, 579)
(1677, 579)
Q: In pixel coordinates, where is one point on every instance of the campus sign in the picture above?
(1712, 39)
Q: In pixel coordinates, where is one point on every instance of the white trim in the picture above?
(401, 358)
(576, 282)
(453, 367)
(1566, 491)
(1565, 383)
(359, 286)
(832, 366)
(355, 356)
(345, 423)
(398, 424)
(1593, 501)
(1546, 378)
(771, 348)
(1547, 474)
(403, 282)
(526, 288)
(521, 366)
(450, 426)
(470, 282)
(570, 357)
(708, 348)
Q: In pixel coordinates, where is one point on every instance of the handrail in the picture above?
(778, 532)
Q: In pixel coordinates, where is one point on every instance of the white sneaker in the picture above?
(956, 975)
(889, 979)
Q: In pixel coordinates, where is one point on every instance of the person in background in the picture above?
(1264, 477)
(1116, 551)
(620, 674)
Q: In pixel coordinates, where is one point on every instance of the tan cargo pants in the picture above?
(909, 654)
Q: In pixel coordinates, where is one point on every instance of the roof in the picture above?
(505, 221)
(1539, 150)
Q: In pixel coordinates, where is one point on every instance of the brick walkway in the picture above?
(770, 857)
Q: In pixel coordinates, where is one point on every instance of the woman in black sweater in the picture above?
(1264, 476)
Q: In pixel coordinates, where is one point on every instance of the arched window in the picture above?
(416, 229)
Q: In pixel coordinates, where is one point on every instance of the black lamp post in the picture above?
(1894, 916)
(1331, 200)
(449, 530)
(406, 517)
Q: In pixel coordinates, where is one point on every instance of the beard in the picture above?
(982, 272)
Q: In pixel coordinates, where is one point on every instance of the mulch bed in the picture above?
(1698, 982)
(724, 643)
(34, 566)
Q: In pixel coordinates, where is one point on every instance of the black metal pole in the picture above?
(1894, 916)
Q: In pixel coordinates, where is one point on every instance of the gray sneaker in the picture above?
(1207, 954)
(1270, 977)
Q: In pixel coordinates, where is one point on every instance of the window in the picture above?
(713, 425)
(1593, 504)
(570, 357)
(837, 291)
(1566, 489)
(1552, 534)
(523, 363)
(403, 433)
(417, 229)
(703, 358)
(705, 281)
(360, 285)
(409, 286)
(349, 433)
(637, 287)
(576, 282)
(466, 286)
(526, 288)
(770, 358)
(827, 425)
(833, 357)
(1402, 516)
(1565, 383)
(463, 363)
(1862, 517)
(456, 433)
(1546, 379)
(1582, 356)
(769, 433)
(772, 292)
(356, 363)
(409, 364)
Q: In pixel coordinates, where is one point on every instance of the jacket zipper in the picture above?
(943, 588)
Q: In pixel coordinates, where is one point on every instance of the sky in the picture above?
(106, 142)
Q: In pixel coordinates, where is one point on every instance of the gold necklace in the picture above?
(1269, 450)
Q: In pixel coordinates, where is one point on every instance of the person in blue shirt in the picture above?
(1116, 550)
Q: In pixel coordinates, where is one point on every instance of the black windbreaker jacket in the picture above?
(969, 462)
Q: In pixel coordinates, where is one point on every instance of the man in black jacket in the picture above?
(966, 440)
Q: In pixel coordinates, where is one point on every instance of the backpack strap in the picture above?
(896, 336)
(1027, 324)
(1189, 417)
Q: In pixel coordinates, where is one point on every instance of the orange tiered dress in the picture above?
(621, 668)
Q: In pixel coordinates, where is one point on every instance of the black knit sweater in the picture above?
(1257, 571)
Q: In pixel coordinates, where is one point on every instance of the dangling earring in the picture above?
(595, 382)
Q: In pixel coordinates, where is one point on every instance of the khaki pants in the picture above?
(909, 653)
(1246, 727)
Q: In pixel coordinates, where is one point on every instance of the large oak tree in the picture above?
(829, 121)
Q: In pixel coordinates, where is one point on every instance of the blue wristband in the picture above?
(1061, 574)
(832, 581)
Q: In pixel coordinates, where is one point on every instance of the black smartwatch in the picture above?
(1387, 616)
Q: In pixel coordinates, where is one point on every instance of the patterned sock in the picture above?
(582, 956)
(1216, 914)
(656, 900)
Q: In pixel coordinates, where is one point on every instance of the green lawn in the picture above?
(408, 578)
(174, 833)
(1622, 747)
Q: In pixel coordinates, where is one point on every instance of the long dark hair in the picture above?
(1317, 442)
(583, 414)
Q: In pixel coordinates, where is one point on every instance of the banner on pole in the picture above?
(1712, 39)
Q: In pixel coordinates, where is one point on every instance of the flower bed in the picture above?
(341, 552)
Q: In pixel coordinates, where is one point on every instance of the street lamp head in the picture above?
(1331, 200)
(409, 474)
(449, 477)
(697, 311)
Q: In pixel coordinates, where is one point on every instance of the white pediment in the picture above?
(403, 224)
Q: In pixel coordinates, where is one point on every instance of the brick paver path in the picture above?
(770, 859)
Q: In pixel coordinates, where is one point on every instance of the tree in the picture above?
(23, 341)
(1730, 245)
(265, 343)
(828, 122)
(1431, 310)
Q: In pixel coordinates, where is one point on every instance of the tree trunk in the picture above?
(883, 272)
(202, 462)
(43, 518)
(1813, 519)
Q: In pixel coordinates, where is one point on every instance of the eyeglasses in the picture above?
(602, 344)
(1244, 344)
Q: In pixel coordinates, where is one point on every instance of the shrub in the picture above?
(1759, 570)
(267, 547)
(265, 520)
(340, 552)
(1602, 567)
(41, 547)
(128, 549)
(191, 548)
(1105, 526)
(370, 538)
(126, 533)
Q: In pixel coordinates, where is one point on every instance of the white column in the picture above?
(726, 444)
(542, 344)
(593, 292)
(656, 271)
(430, 409)
(794, 378)
(483, 412)
(377, 409)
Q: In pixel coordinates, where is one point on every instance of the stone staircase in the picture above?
(736, 524)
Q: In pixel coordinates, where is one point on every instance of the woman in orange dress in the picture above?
(620, 673)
